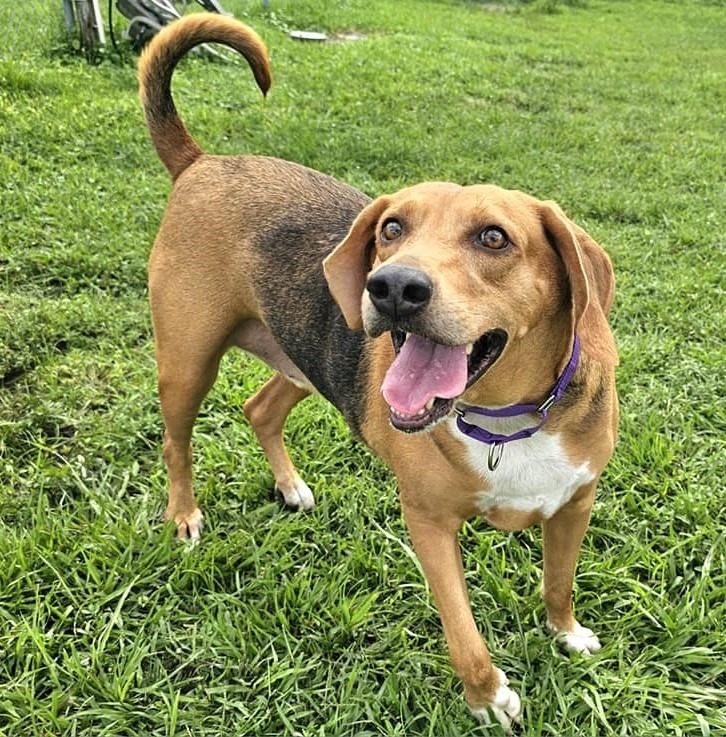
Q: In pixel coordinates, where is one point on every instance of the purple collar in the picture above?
(495, 440)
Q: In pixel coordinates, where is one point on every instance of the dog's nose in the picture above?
(398, 290)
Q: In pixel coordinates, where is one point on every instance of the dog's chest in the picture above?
(534, 475)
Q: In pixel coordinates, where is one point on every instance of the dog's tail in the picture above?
(175, 146)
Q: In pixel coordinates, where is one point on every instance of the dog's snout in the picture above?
(398, 290)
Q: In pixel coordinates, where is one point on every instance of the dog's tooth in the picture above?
(430, 403)
(469, 348)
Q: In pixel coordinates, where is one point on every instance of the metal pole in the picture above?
(90, 24)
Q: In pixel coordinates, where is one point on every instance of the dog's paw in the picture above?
(189, 527)
(579, 640)
(296, 495)
(505, 705)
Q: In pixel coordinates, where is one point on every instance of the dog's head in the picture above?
(458, 275)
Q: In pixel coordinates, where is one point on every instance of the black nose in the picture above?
(398, 290)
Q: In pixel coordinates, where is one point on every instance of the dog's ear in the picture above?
(592, 282)
(346, 267)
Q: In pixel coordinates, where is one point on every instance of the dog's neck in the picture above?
(494, 439)
(528, 369)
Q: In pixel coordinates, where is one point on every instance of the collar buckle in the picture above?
(542, 409)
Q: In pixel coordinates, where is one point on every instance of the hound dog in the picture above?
(461, 331)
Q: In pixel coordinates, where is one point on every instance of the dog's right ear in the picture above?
(346, 268)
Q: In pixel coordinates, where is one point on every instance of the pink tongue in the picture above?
(424, 370)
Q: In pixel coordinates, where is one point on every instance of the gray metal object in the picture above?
(86, 16)
(147, 17)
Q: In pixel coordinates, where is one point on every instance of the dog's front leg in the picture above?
(485, 686)
(562, 537)
(267, 411)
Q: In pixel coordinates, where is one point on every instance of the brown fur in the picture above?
(238, 261)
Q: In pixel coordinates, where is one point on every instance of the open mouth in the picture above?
(426, 378)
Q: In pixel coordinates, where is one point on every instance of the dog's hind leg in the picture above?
(267, 411)
(183, 384)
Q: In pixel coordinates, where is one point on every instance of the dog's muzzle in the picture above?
(398, 291)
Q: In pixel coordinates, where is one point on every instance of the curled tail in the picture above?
(175, 146)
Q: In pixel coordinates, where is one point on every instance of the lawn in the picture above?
(322, 624)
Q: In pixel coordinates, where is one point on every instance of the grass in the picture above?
(321, 623)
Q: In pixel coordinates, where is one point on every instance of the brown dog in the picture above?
(496, 395)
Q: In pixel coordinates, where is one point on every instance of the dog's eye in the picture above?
(391, 230)
(493, 238)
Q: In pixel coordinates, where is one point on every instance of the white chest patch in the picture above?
(534, 474)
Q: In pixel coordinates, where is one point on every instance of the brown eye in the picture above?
(493, 238)
(391, 230)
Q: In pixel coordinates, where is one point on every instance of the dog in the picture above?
(461, 331)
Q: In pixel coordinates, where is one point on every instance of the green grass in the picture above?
(322, 623)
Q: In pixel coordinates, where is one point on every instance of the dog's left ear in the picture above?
(346, 267)
(592, 282)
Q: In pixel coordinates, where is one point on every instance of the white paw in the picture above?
(579, 640)
(297, 494)
(190, 528)
(505, 705)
